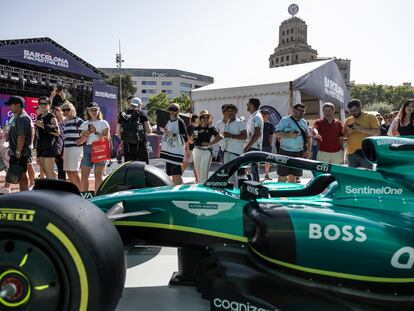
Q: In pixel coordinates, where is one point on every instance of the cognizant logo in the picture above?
(224, 304)
(370, 190)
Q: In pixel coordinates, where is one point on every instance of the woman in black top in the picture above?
(405, 120)
(202, 138)
(189, 147)
(47, 132)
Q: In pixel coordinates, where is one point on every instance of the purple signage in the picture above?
(45, 54)
(107, 98)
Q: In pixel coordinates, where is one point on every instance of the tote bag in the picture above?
(100, 151)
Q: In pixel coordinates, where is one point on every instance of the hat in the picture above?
(16, 100)
(203, 113)
(92, 105)
(173, 107)
(136, 102)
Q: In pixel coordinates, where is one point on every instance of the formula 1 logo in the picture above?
(204, 209)
(403, 258)
(277, 158)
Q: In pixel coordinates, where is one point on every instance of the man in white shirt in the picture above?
(234, 137)
(254, 129)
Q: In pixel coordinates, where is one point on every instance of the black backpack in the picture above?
(132, 130)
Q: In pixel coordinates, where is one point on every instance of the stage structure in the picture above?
(32, 67)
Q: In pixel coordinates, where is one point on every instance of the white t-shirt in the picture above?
(255, 120)
(100, 125)
(231, 144)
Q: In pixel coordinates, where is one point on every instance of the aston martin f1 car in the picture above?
(344, 241)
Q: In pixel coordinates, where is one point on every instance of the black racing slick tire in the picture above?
(58, 252)
(133, 175)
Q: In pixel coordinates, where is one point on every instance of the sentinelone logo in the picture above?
(105, 95)
(224, 304)
(369, 190)
(46, 58)
(334, 90)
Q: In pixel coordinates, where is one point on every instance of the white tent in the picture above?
(276, 88)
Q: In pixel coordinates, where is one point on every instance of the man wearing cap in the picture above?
(134, 127)
(20, 139)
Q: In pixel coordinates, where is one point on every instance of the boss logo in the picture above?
(252, 190)
(403, 258)
(331, 232)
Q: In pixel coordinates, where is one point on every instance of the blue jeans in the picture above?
(86, 160)
(356, 160)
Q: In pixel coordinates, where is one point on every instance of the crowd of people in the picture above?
(62, 141)
(58, 138)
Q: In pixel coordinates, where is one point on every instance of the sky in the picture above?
(221, 38)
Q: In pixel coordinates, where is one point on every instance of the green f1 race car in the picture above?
(344, 241)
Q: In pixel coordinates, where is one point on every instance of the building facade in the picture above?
(293, 48)
(150, 82)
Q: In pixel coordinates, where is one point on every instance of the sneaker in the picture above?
(267, 177)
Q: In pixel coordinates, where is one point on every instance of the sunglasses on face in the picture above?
(204, 117)
(93, 110)
(43, 104)
(66, 109)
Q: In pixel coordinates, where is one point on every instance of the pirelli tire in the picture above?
(58, 252)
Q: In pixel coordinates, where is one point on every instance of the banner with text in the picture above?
(106, 96)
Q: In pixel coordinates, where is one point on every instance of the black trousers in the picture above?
(59, 165)
(136, 152)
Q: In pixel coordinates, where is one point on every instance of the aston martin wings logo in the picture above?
(206, 209)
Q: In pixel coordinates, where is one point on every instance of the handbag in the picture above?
(100, 150)
(304, 135)
(14, 172)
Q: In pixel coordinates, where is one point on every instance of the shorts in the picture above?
(331, 157)
(23, 161)
(72, 158)
(284, 170)
(173, 169)
(267, 149)
(86, 160)
(46, 153)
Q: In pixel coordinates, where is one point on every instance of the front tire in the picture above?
(60, 252)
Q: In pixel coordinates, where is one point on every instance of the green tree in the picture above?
(382, 108)
(382, 95)
(159, 101)
(127, 86)
(184, 101)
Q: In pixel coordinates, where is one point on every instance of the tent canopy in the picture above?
(320, 79)
(46, 53)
